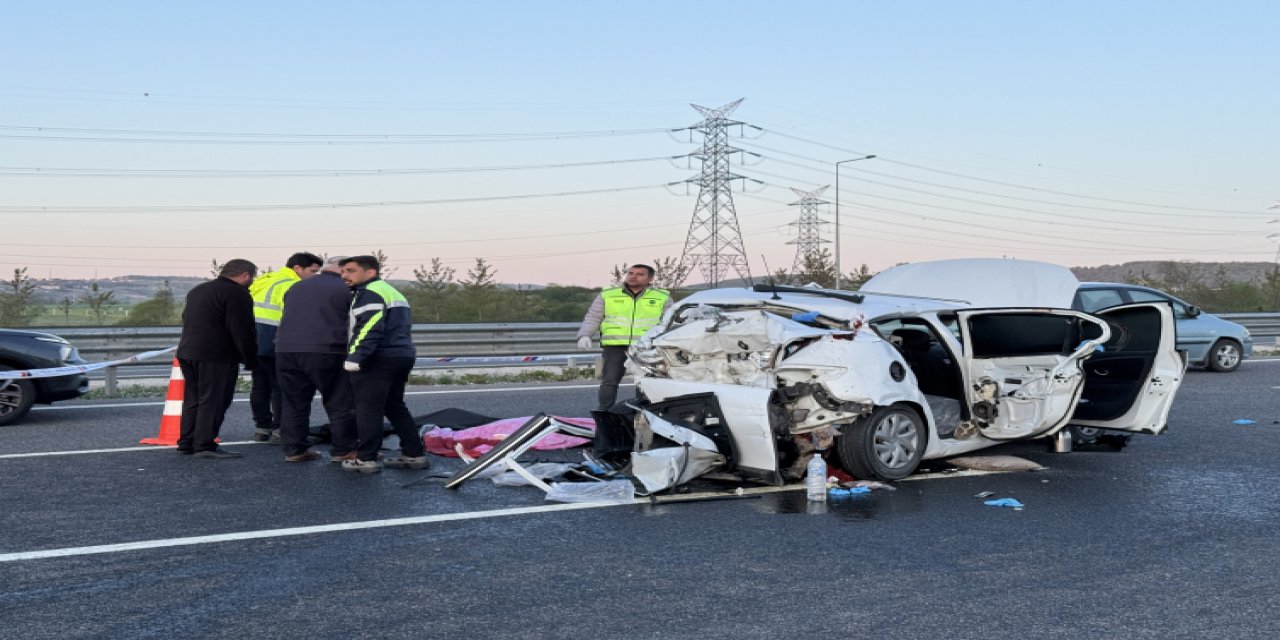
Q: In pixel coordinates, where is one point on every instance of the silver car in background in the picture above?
(1210, 341)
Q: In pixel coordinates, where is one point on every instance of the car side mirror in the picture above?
(1193, 311)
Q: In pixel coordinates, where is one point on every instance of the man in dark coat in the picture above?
(310, 347)
(217, 335)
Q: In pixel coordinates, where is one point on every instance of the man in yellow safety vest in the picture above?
(621, 315)
(268, 307)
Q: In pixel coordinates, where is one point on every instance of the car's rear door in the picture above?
(1129, 386)
(1022, 367)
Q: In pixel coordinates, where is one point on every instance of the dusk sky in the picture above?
(153, 137)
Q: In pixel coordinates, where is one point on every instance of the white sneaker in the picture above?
(363, 466)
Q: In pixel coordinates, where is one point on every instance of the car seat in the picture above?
(935, 376)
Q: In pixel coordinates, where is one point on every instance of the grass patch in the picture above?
(126, 391)
(563, 375)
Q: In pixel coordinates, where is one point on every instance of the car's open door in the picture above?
(1130, 385)
(1023, 370)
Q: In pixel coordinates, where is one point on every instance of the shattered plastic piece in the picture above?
(540, 470)
(811, 316)
(1004, 502)
(659, 469)
(611, 492)
(1243, 421)
(984, 494)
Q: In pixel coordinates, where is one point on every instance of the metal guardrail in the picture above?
(432, 340)
(454, 340)
(548, 340)
(1260, 325)
(97, 344)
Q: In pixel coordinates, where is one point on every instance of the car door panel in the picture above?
(1130, 385)
(1023, 373)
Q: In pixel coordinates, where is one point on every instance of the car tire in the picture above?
(886, 445)
(1224, 356)
(16, 398)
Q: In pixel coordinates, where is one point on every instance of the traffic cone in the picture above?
(171, 421)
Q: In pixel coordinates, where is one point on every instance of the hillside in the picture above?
(1202, 272)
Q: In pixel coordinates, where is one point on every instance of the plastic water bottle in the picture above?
(815, 478)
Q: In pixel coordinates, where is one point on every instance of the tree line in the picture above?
(440, 294)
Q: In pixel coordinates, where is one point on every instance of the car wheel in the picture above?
(886, 445)
(1224, 356)
(16, 398)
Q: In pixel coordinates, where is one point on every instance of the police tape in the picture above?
(54, 372)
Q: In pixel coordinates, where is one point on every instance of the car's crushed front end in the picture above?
(760, 380)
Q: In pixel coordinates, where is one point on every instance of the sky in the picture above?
(551, 138)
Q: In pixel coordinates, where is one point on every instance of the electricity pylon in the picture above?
(808, 237)
(714, 244)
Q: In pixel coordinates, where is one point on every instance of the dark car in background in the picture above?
(1210, 341)
(21, 350)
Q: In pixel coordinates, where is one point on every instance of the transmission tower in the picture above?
(808, 239)
(714, 244)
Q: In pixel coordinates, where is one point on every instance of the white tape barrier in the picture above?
(55, 372)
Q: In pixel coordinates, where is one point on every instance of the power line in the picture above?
(1007, 184)
(226, 137)
(297, 173)
(151, 210)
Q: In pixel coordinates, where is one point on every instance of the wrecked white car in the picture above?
(927, 361)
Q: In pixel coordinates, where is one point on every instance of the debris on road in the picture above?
(1004, 502)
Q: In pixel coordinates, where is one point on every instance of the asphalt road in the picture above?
(1171, 538)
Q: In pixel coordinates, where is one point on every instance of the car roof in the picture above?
(981, 282)
(872, 305)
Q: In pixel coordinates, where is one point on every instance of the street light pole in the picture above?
(838, 212)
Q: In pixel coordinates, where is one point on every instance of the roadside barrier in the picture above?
(54, 372)
(171, 420)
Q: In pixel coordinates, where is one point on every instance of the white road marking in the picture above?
(42, 454)
(280, 533)
(142, 545)
(317, 399)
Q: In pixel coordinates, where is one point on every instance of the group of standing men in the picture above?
(332, 326)
(336, 327)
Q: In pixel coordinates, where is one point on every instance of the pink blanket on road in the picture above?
(477, 440)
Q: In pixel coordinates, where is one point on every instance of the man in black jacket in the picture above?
(380, 356)
(310, 346)
(217, 335)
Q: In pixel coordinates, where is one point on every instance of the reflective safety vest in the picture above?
(268, 295)
(627, 318)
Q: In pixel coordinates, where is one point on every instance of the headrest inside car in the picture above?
(913, 339)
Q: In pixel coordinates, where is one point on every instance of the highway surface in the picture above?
(1175, 537)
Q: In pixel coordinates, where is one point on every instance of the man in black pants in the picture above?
(217, 335)
(268, 306)
(380, 356)
(310, 347)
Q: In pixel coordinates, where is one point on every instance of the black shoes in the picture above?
(217, 454)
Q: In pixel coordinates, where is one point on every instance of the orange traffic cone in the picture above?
(171, 421)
